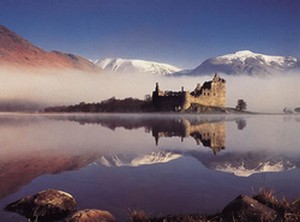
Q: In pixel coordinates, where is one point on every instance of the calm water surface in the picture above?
(159, 163)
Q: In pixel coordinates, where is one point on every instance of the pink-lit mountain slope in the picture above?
(17, 52)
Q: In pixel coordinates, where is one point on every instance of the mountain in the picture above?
(18, 52)
(247, 63)
(119, 65)
(15, 51)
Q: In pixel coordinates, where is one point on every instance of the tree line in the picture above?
(110, 105)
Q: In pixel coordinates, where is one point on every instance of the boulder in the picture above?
(91, 215)
(244, 209)
(268, 199)
(47, 205)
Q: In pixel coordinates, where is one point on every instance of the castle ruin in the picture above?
(211, 93)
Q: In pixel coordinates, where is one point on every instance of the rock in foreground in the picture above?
(91, 215)
(263, 207)
(244, 208)
(48, 205)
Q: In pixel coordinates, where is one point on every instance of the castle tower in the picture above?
(218, 91)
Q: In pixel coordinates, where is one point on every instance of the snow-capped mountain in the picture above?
(136, 66)
(16, 51)
(247, 63)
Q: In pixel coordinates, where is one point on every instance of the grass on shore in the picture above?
(288, 211)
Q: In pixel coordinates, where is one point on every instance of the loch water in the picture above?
(160, 163)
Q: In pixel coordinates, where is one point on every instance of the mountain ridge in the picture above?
(18, 52)
(120, 65)
(246, 62)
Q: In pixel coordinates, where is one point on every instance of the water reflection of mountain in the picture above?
(16, 173)
(139, 160)
(245, 164)
(239, 164)
(210, 131)
(20, 170)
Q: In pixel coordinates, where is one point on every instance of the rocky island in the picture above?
(207, 98)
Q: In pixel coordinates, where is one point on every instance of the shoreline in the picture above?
(149, 113)
(62, 206)
(262, 207)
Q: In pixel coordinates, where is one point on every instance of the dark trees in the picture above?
(112, 105)
(297, 110)
(241, 105)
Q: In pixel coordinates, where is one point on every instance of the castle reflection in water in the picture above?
(209, 134)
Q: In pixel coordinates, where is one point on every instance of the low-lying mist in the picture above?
(61, 87)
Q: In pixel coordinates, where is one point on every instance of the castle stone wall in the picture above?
(212, 93)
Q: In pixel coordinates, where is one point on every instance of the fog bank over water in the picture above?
(61, 87)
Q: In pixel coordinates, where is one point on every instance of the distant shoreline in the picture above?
(147, 113)
(131, 105)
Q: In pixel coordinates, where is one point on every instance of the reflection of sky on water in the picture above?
(266, 132)
(115, 164)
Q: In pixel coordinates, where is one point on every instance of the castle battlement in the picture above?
(211, 93)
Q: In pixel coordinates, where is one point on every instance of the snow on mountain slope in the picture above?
(136, 66)
(247, 63)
